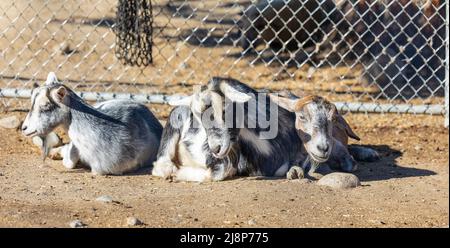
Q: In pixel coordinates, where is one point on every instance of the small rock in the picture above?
(132, 221)
(105, 199)
(76, 224)
(418, 147)
(339, 180)
(53, 140)
(377, 222)
(251, 222)
(38, 141)
(10, 122)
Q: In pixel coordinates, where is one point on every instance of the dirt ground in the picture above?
(409, 187)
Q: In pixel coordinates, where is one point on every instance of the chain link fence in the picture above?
(365, 55)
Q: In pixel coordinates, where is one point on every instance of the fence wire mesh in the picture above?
(367, 55)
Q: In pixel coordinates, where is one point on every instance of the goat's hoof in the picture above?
(164, 170)
(55, 154)
(295, 172)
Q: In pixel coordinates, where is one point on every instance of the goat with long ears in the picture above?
(222, 130)
(324, 133)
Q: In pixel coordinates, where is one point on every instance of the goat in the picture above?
(206, 139)
(113, 137)
(283, 25)
(324, 133)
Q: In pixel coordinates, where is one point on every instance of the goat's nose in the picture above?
(323, 148)
(24, 127)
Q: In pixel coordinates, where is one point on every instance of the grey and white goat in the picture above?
(113, 137)
(324, 133)
(222, 131)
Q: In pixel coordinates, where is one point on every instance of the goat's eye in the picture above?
(302, 117)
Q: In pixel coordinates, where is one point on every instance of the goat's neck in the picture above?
(83, 118)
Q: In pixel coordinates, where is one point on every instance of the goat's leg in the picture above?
(56, 153)
(70, 155)
(363, 154)
(222, 171)
(193, 174)
(341, 159)
(164, 166)
(295, 172)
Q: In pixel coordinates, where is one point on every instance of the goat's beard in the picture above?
(313, 164)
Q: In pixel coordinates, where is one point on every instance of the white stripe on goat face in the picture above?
(194, 156)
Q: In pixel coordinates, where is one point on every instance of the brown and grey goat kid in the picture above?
(324, 133)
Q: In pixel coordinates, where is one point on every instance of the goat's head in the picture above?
(315, 117)
(209, 104)
(48, 108)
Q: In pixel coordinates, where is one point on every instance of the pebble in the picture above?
(52, 138)
(105, 199)
(38, 141)
(251, 222)
(76, 224)
(10, 122)
(133, 221)
(339, 180)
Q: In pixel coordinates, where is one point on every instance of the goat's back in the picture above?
(142, 131)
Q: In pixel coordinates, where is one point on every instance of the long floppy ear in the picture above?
(59, 94)
(342, 124)
(233, 94)
(284, 102)
(184, 101)
(51, 79)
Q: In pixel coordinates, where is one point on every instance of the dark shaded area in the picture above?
(400, 44)
(387, 167)
(384, 169)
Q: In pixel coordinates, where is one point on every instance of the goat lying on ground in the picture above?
(208, 138)
(113, 137)
(324, 133)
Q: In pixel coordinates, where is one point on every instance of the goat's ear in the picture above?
(284, 102)
(233, 94)
(342, 124)
(59, 94)
(184, 101)
(51, 79)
